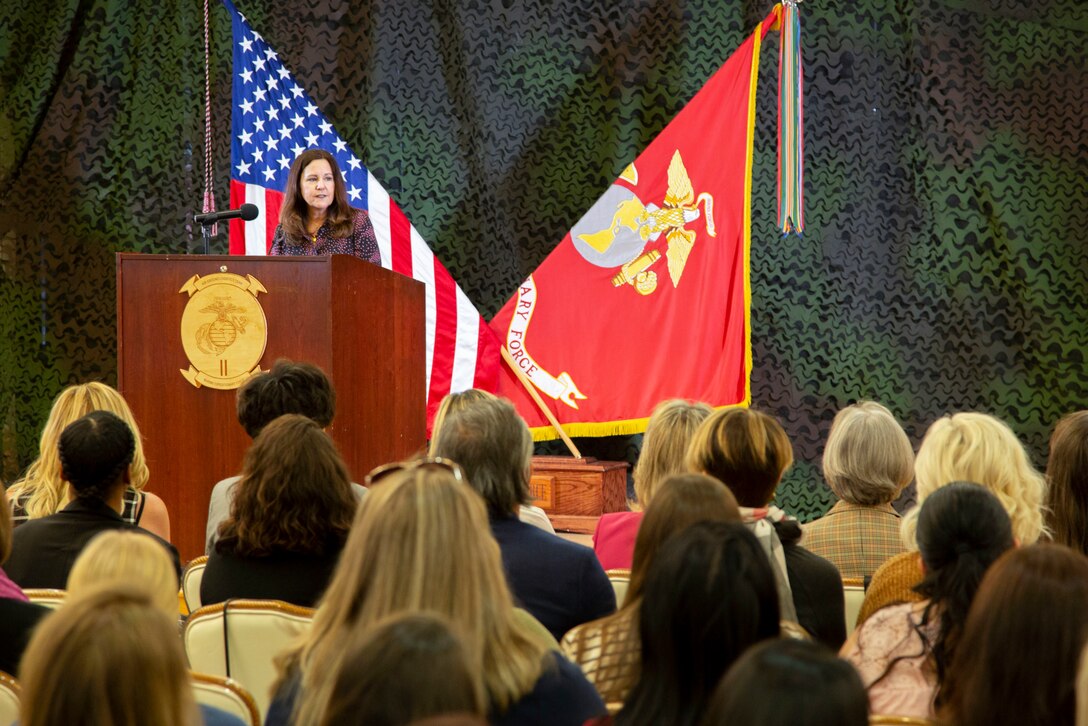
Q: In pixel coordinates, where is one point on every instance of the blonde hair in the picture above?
(107, 658)
(668, 433)
(745, 449)
(43, 481)
(420, 541)
(976, 447)
(6, 526)
(868, 458)
(452, 403)
(127, 558)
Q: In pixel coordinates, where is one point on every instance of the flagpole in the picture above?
(540, 402)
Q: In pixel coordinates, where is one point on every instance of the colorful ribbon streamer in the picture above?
(791, 124)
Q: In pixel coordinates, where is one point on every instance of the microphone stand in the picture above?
(206, 233)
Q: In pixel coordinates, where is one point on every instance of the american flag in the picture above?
(273, 120)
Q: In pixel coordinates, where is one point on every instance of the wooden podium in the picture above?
(363, 325)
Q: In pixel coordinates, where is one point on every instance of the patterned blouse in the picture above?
(362, 243)
(892, 641)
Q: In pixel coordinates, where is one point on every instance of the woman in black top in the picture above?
(288, 521)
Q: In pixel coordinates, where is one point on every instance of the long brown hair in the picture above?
(294, 495)
(295, 211)
(404, 668)
(682, 500)
(1067, 472)
(1017, 659)
(420, 541)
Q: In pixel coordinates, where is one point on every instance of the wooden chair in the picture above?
(226, 695)
(620, 580)
(240, 639)
(854, 595)
(888, 720)
(9, 699)
(190, 582)
(46, 597)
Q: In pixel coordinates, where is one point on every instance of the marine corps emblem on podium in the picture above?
(223, 329)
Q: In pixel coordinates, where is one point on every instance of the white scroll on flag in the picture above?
(273, 120)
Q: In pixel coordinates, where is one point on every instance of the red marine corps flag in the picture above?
(647, 297)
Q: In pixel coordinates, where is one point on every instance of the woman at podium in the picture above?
(316, 218)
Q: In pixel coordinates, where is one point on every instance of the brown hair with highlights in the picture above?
(745, 449)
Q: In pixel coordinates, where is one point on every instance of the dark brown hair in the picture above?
(407, 667)
(295, 211)
(710, 595)
(294, 495)
(744, 448)
(681, 500)
(1067, 473)
(1017, 659)
(289, 387)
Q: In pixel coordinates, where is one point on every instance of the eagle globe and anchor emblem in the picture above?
(223, 329)
(621, 231)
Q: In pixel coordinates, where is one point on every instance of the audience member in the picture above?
(903, 652)
(42, 490)
(109, 658)
(95, 453)
(664, 446)
(608, 649)
(1017, 660)
(127, 559)
(867, 462)
(290, 516)
(971, 447)
(288, 387)
(710, 594)
(404, 668)
(1082, 689)
(749, 452)
(561, 583)
(788, 682)
(17, 616)
(1067, 475)
(420, 542)
(454, 402)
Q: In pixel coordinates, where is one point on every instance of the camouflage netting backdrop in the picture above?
(943, 267)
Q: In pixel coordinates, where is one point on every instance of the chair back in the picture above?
(47, 597)
(190, 582)
(620, 580)
(9, 699)
(240, 639)
(226, 695)
(853, 595)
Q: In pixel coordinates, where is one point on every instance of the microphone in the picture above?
(248, 212)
